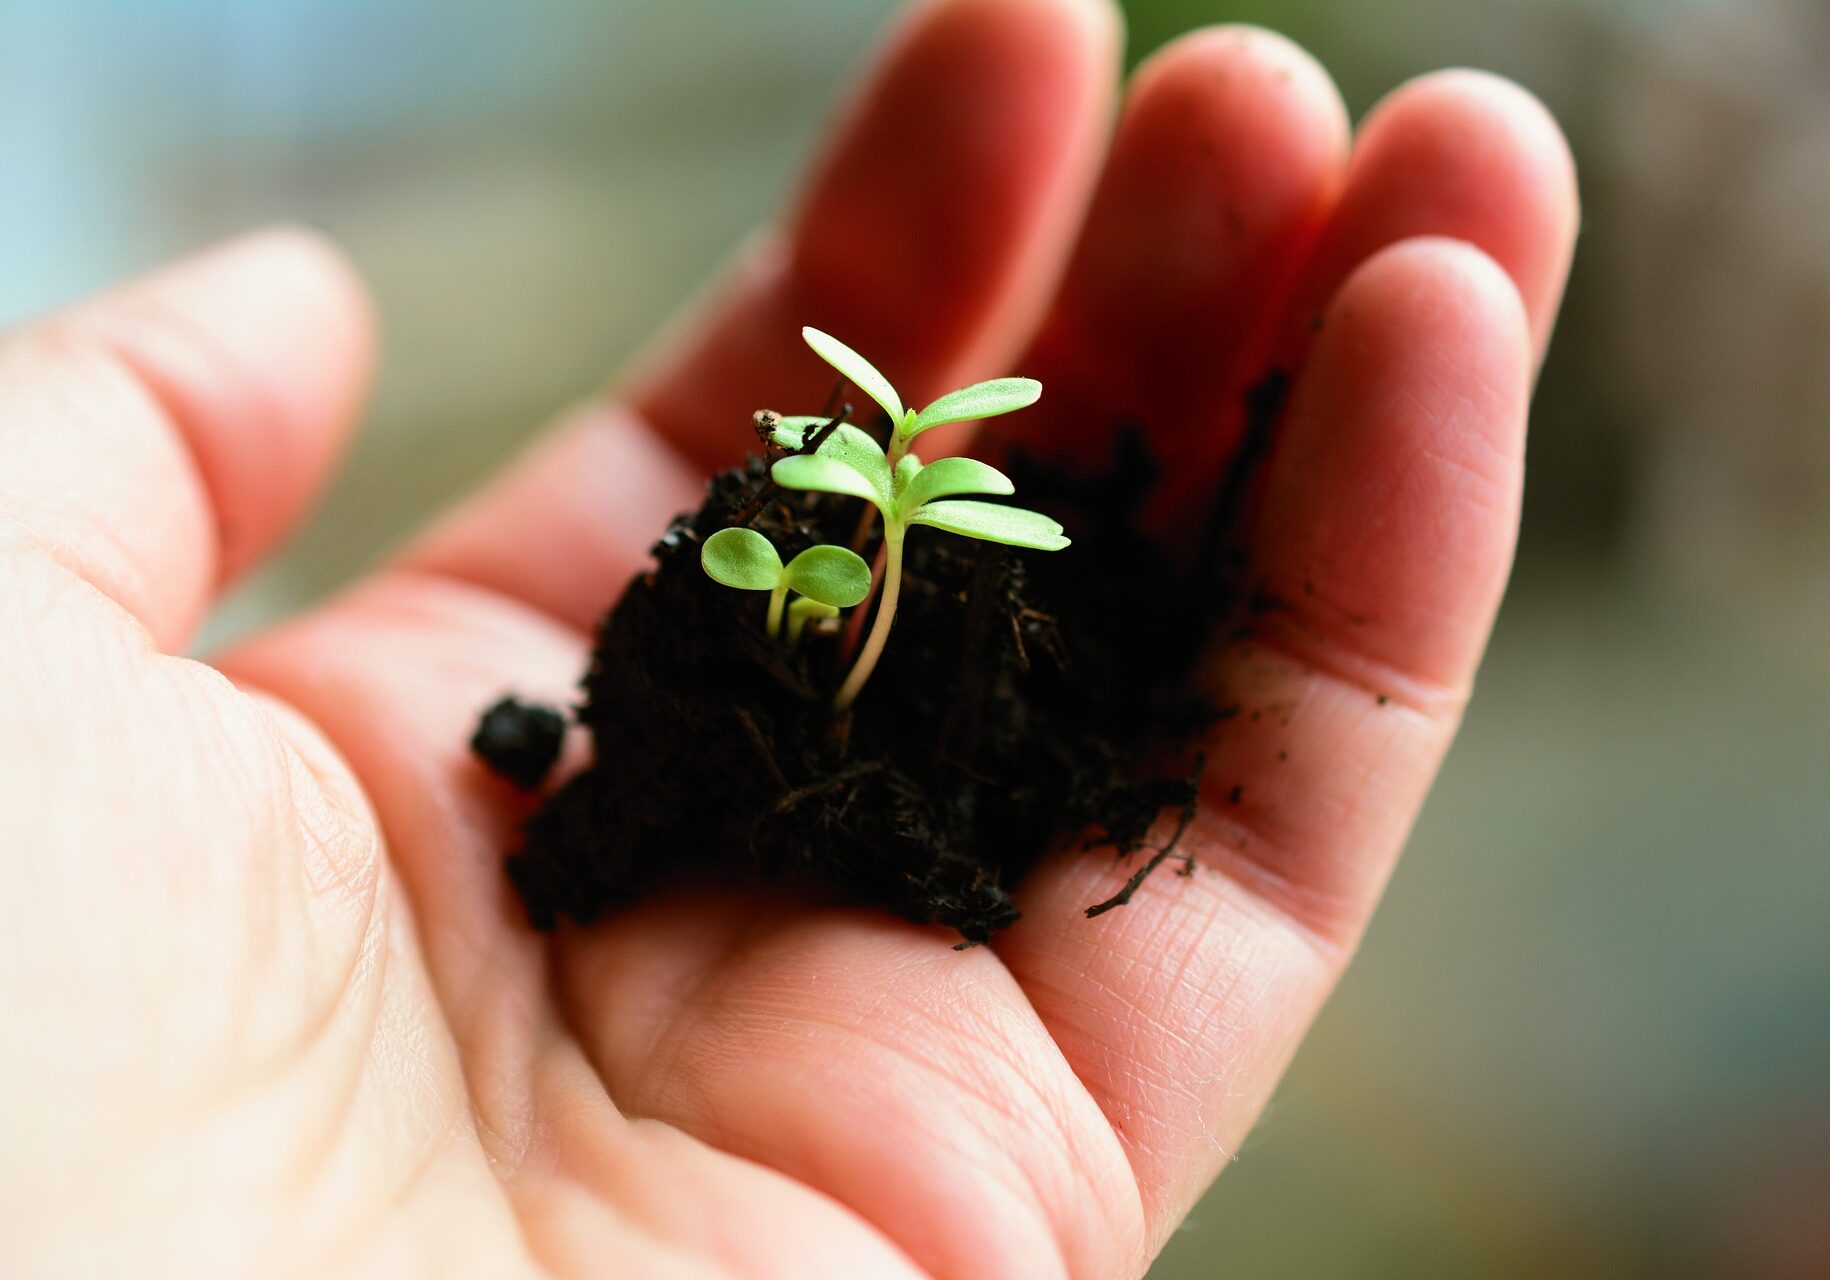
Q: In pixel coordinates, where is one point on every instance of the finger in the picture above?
(158, 438)
(1460, 154)
(929, 233)
(1226, 163)
(1391, 508)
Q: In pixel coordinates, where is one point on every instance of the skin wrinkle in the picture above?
(1353, 667)
(117, 586)
(371, 948)
(1477, 488)
(1155, 1025)
(342, 849)
(1126, 1010)
(314, 1164)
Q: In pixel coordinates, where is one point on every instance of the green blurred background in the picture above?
(1589, 1034)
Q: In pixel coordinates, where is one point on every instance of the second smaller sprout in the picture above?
(803, 611)
(833, 578)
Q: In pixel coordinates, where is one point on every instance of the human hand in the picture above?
(271, 1008)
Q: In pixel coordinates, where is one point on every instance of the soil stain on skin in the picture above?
(1022, 697)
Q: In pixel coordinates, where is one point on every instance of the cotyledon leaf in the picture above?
(831, 575)
(741, 558)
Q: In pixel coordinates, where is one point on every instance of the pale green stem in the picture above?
(777, 599)
(899, 443)
(796, 620)
(880, 629)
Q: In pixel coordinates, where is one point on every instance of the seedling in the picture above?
(804, 609)
(830, 578)
(905, 491)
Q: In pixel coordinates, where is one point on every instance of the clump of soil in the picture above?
(1023, 696)
(519, 740)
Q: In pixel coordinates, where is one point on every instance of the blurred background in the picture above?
(1589, 1034)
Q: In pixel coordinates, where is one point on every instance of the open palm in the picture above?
(269, 1005)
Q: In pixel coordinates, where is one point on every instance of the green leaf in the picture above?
(823, 475)
(851, 450)
(980, 400)
(947, 476)
(857, 370)
(741, 558)
(906, 470)
(831, 575)
(859, 451)
(990, 522)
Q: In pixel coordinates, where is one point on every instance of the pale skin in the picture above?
(269, 1006)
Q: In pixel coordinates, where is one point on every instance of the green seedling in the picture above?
(829, 577)
(905, 491)
(802, 610)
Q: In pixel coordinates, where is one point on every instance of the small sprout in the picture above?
(904, 491)
(803, 610)
(743, 558)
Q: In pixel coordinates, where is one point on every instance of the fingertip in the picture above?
(1227, 160)
(1317, 115)
(1474, 155)
(1099, 24)
(327, 275)
(1435, 294)
(262, 347)
(304, 277)
(964, 153)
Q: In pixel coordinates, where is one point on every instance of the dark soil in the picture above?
(519, 740)
(1023, 697)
